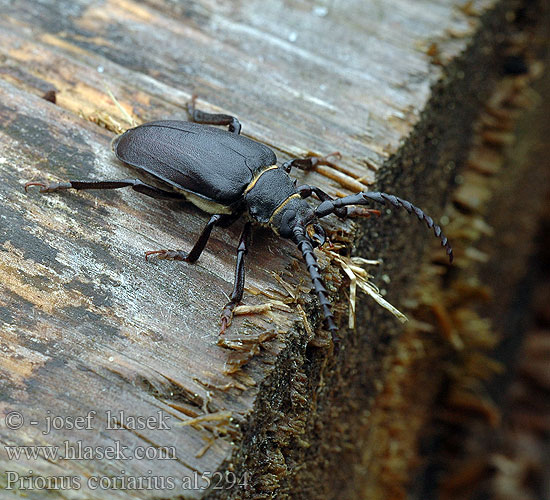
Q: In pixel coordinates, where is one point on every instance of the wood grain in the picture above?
(88, 325)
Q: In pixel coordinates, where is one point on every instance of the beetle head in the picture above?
(295, 213)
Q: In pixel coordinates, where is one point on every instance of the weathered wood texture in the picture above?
(88, 326)
(497, 398)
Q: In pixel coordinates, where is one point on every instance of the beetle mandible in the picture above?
(228, 175)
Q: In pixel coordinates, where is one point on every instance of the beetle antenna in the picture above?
(305, 246)
(330, 206)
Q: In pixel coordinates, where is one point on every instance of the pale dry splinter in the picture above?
(229, 176)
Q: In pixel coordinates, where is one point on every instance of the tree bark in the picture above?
(92, 334)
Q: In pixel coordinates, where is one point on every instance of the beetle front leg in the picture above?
(199, 116)
(310, 162)
(306, 191)
(238, 287)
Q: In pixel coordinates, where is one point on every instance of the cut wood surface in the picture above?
(89, 327)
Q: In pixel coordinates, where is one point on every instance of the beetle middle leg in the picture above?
(238, 287)
(199, 116)
(135, 184)
(198, 247)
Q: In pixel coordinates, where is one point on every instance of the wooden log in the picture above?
(90, 330)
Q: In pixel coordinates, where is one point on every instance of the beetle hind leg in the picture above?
(135, 184)
(198, 116)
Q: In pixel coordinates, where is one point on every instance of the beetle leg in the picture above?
(310, 162)
(199, 116)
(135, 184)
(238, 287)
(330, 206)
(197, 249)
(362, 212)
(306, 191)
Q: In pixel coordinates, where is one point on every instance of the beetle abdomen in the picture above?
(209, 162)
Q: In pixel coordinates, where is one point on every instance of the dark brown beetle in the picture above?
(228, 176)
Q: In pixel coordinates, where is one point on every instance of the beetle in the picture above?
(228, 175)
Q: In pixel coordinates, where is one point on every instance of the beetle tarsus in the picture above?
(310, 162)
(48, 187)
(238, 286)
(362, 212)
(226, 317)
(198, 116)
(168, 255)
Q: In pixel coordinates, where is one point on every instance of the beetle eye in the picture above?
(288, 221)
